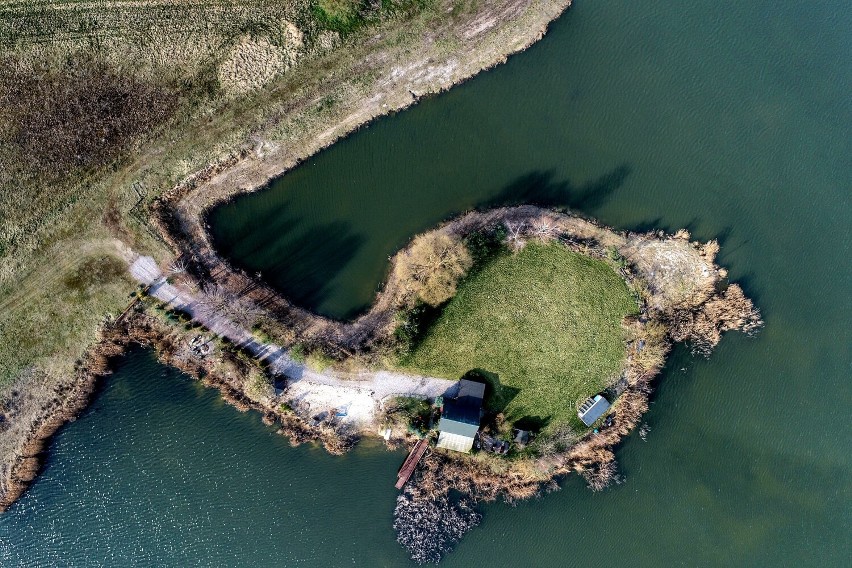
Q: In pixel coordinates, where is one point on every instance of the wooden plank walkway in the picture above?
(410, 463)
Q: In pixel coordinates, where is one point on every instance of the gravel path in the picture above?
(361, 395)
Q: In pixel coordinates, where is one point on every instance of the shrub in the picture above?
(258, 385)
(411, 324)
(318, 360)
(432, 267)
(615, 256)
(411, 413)
(298, 353)
(484, 244)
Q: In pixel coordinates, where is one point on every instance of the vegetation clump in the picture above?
(318, 360)
(413, 415)
(432, 267)
(258, 385)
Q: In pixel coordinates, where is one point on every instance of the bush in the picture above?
(485, 244)
(298, 353)
(432, 267)
(258, 386)
(411, 325)
(616, 257)
(318, 360)
(411, 413)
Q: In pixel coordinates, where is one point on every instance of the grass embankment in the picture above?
(543, 324)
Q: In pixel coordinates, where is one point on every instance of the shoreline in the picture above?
(591, 456)
(491, 39)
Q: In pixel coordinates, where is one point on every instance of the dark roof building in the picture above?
(592, 409)
(460, 417)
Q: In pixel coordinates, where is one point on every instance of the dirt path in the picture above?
(359, 395)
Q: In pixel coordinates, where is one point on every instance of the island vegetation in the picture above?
(544, 325)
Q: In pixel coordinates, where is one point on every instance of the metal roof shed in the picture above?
(460, 417)
(592, 409)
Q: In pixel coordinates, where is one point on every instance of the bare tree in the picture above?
(178, 266)
(244, 313)
(218, 300)
(515, 235)
(544, 228)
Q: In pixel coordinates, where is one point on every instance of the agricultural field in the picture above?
(543, 327)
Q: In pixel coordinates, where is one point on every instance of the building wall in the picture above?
(455, 442)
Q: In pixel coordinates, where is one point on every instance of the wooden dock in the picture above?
(410, 463)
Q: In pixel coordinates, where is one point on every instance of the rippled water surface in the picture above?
(732, 120)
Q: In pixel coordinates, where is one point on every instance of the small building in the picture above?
(592, 409)
(522, 437)
(460, 417)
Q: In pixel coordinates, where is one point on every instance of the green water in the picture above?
(732, 120)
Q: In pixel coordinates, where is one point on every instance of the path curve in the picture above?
(360, 394)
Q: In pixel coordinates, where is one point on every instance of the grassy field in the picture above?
(544, 328)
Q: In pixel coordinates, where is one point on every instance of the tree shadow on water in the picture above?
(310, 261)
(539, 188)
(299, 260)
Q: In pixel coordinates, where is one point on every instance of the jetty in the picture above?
(410, 463)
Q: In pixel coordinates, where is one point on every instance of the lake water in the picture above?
(732, 120)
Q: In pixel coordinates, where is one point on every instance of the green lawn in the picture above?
(546, 321)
